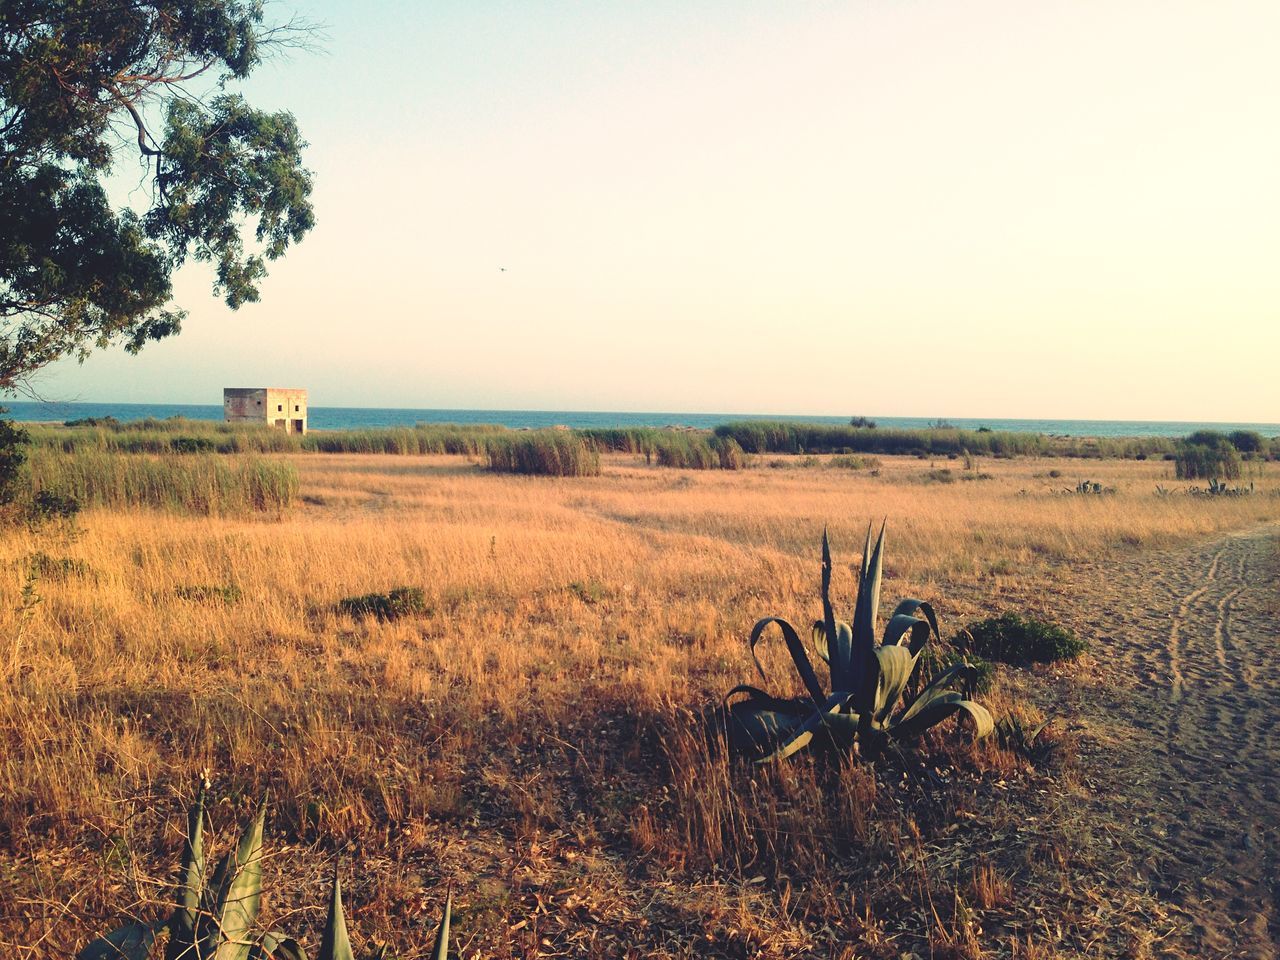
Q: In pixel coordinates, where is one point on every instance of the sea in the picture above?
(348, 418)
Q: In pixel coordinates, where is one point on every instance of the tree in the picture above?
(85, 83)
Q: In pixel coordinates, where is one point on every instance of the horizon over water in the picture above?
(348, 418)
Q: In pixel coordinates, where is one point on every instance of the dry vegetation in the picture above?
(531, 737)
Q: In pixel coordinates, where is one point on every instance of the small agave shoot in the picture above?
(216, 920)
(867, 678)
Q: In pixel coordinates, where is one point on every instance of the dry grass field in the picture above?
(530, 740)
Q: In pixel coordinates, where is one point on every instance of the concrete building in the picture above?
(278, 406)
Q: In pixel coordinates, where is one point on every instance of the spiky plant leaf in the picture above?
(838, 646)
(277, 946)
(335, 945)
(896, 666)
(231, 902)
(795, 648)
(441, 951)
(182, 923)
(864, 630)
(133, 941)
(844, 634)
(913, 608)
(937, 708)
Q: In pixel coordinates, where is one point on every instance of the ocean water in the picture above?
(346, 418)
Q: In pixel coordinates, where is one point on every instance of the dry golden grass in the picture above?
(527, 738)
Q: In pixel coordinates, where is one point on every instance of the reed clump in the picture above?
(552, 453)
(202, 484)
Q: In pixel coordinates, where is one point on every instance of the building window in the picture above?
(295, 408)
(279, 407)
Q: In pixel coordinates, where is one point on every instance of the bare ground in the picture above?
(1179, 733)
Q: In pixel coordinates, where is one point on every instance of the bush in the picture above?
(14, 442)
(193, 445)
(1247, 441)
(1011, 638)
(46, 567)
(1207, 456)
(383, 607)
(853, 462)
(204, 593)
(47, 505)
(551, 453)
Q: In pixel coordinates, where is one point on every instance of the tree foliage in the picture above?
(86, 84)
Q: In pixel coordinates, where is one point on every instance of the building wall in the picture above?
(287, 405)
(278, 407)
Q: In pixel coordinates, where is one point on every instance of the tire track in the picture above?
(1202, 787)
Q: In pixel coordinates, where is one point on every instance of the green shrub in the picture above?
(193, 445)
(853, 462)
(397, 603)
(1011, 638)
(204, 593)
(48, 506)
(1207, 456)
(14, 443)
(1247, 441)
(46, 567)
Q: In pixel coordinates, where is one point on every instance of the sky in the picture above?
(898, 207)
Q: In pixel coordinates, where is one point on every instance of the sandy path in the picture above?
(1183, 733)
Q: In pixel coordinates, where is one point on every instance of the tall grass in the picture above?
(131, 677)
(765, 436)
(695, 449)
(202, 484)
(555, 453)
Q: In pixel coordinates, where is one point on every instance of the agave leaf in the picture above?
(938, 707)
(441, 951)
(796, 649)
(277, 946)
(182, 923)
(801, 732)
(131, 942)
(865, 564)
(757, 725)
(334, 944)
(233, 899)
(914, 630)
(910, 607)
(1034, 733)
(896, 665)
(864, 629)
(960, 674)
(819, 639)
(867, 607)
(839, 647)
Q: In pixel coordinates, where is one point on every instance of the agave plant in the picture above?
(216, 920)
(867, 679)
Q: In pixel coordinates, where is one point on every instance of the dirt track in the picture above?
(1182, 730)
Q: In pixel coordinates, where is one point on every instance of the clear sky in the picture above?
(899, 207)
